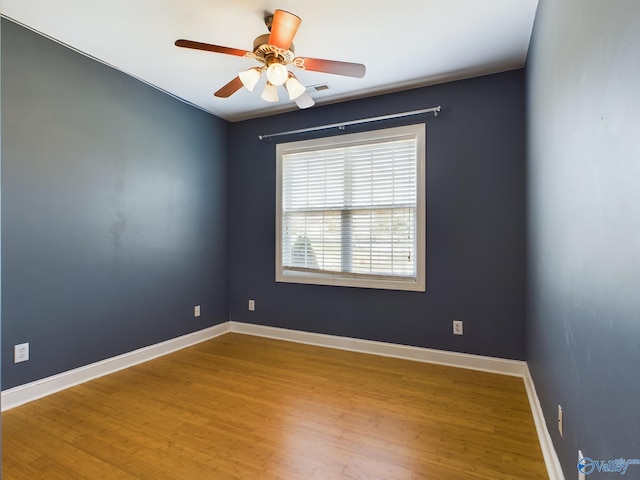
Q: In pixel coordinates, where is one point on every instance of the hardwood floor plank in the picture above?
(242, 407)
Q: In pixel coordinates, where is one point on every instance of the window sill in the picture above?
(336, 280)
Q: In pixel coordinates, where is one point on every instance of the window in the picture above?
(350, 210)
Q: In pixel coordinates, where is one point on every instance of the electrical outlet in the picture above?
(21, 353)
(196, 311)
(457, 327)
(252, 305)
(560, 420)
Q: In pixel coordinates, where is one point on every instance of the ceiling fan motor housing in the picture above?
(270, 53)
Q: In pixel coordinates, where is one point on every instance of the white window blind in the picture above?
(349, 209)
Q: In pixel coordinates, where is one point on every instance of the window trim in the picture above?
(418, 131)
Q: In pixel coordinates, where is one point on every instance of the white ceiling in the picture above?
(404, 44)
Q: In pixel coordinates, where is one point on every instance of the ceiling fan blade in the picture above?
(304, 101)
(283, 28)
(210, 48)
(230, 88)
(346, 69)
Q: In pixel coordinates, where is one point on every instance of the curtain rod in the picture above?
(342, 125)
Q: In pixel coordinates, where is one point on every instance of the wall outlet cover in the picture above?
(21, 353)
(457, 327)
(560, 426)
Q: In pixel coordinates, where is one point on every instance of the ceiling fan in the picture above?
(275, 51)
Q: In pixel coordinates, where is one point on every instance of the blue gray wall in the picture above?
(475, 225)
(583, 75)
(114, 211)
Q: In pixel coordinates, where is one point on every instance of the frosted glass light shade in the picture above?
(277, 74)
(270, 93)
(249, 78)
(294, 87)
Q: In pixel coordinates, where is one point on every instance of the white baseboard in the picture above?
(554, 470)
(32, 391)
(419, 354)
(28, 392)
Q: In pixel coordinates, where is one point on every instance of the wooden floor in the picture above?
(242, 407)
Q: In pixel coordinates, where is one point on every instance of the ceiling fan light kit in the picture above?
(275, 51)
